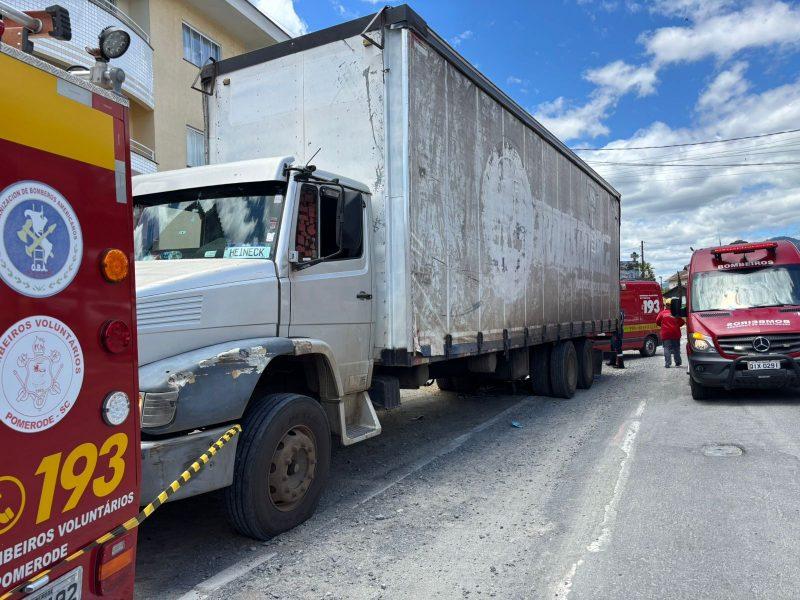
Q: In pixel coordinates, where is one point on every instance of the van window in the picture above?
(329, 223)
(746, 288)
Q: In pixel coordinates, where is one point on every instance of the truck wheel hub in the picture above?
(292, 468)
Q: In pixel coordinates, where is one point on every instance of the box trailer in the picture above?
(450, 236)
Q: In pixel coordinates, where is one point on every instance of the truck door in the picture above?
(331, 283)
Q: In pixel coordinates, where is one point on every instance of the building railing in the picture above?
(122, 16)
(142, 150)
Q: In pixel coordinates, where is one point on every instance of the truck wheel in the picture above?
(699, 391)
(648, 349)
(564, 370)
(597, 360)
(583, 350)
(540, 370)
(463, 385)
(282, 463)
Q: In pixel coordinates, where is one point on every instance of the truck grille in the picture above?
(780, 343)
(175, 312)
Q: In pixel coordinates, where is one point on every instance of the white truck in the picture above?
(451, 238)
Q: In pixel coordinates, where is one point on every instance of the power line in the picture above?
(733, 139)
(635, 164)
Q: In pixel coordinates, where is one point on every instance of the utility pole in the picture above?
(642, 259)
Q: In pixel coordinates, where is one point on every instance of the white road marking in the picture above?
(245, 566)
(224, 577)
(599, 544)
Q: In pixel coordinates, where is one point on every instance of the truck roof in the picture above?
(785, 253)
(402, 16)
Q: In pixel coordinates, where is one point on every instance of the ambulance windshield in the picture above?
(746, 288)
(230, 221)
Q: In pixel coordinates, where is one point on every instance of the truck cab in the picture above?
(743, 317)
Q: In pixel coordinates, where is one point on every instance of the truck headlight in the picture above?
(702, 343)
(157, 408)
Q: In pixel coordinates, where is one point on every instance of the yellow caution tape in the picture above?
(148, 510)
(642, 327)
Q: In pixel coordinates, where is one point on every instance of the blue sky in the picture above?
(629, 73)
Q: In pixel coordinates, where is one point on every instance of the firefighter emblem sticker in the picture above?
(41, 244)
(41, 373)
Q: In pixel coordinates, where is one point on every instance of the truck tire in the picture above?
(699, 391)
(648, 349)
(540, 370)
(564, 370)
(282, 463)
(583, 349)
(597, 361)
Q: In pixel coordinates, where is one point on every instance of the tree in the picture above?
(645, 269)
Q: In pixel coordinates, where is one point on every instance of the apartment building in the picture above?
(170, 41)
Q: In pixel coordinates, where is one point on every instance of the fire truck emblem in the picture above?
(41, 244)
(41, 373)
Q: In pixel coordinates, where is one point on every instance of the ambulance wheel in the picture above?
(564, 370)
(539, 370)
(699, 391)
(583, 349)
(282, 463)
(597, 361)
(648, 349)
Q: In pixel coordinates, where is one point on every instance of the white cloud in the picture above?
(722, 35)
(727, 85)
(622, 78)
(284, 14)
(571, 122)
(464, 35)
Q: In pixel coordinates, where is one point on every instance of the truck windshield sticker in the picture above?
(247, 252)
(41, 373)
(41, 245)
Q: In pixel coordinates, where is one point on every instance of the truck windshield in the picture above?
(746, 288)
(230, 221)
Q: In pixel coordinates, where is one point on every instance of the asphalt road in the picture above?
(628, 490)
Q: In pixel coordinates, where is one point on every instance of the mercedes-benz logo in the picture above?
(761, 344)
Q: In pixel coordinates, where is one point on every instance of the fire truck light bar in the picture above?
(744, 248)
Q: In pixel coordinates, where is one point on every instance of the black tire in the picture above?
(597, 361)
(583, 349)
(648, 349)
(539, 370)
(466, 384)
(699, 391)
(250, 502)
(564, 370)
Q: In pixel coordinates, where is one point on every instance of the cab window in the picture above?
(329, 224)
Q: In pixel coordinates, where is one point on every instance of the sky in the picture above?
(616, 75)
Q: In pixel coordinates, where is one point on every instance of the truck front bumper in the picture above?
(715, 371)
(165, 459)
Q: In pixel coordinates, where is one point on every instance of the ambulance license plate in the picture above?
(67, 587)
(760, 365)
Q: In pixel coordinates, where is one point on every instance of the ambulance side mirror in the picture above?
(676, 307)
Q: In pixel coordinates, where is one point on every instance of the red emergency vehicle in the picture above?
(641, 302)
(743, 317)
(69, 462)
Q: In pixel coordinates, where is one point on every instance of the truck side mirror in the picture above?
(676, 307)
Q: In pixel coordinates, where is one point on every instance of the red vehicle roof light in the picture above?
(744, 248)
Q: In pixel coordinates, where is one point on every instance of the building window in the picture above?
(195, 147)
(197, 48)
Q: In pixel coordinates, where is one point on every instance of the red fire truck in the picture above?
(69, 462)
(641, 302)
(743, 323)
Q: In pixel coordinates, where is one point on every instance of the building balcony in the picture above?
(143, 159)
(88, 18)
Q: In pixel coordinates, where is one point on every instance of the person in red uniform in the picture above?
(670, 335)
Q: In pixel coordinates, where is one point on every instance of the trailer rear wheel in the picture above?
(583, 349)
(597, 361)
(462, 385)
(648, 349)
(540, 370)
(282, 463)
(564, 370)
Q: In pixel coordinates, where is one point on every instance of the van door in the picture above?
(331, 283)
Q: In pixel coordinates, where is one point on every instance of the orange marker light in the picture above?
(114, 265)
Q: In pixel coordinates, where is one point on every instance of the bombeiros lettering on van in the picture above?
(759, 323)
(745, 265)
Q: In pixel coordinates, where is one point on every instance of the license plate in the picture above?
(760, 365)
(67, 587)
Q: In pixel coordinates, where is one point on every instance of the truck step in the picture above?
(353, 418)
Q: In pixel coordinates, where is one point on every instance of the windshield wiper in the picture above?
(775, 305)
(712, 310)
